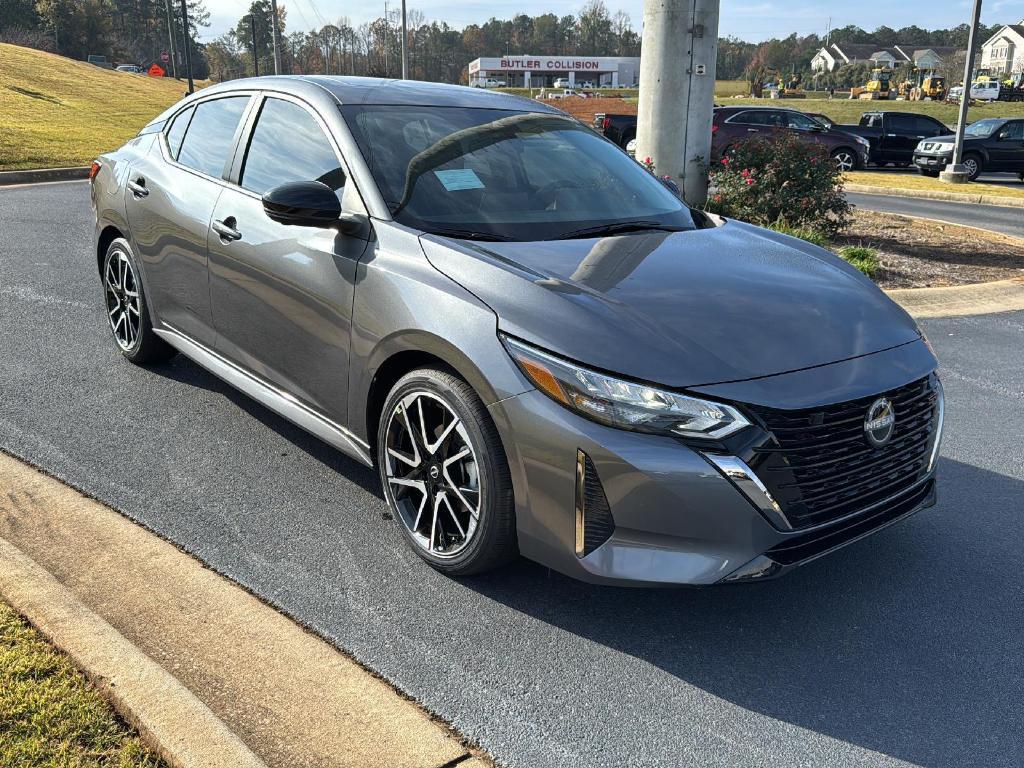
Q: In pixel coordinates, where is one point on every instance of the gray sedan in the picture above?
(542, 350)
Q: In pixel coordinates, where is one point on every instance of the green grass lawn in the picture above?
(57, 112)
(50, 716)
(900, 181)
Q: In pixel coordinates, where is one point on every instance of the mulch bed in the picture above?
(923, 254)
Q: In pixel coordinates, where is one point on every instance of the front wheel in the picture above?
(972, 164)
(445, 474)
(845, 159)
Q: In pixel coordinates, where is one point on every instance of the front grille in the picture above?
(820, 466)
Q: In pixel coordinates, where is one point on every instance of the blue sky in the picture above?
(753, 20)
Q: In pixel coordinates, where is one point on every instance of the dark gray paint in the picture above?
(324, 322)
(900, 650)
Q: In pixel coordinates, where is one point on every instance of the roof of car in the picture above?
(373, 90)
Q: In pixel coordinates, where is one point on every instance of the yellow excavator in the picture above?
(878, 87)
(933, 88)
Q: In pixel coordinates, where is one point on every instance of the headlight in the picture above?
(862, 140)
(623, 404)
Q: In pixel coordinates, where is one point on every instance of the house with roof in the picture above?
(1003, 53)
(838, 54)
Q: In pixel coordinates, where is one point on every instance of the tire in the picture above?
(127, 308)
(432, 498)
(973, 165)
(845, 158)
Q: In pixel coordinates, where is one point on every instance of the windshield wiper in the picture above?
(468, 234)
(618, 227)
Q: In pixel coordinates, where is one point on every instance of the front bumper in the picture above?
(680, 515)
(931, 162)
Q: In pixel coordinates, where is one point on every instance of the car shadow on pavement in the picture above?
(907, 643)
(183, 370)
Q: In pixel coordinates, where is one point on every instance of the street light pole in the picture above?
(171, 35)
(276, 37)
(255, 52)
(187, 39)
(956, 173)
(405, 46)
(677, 91)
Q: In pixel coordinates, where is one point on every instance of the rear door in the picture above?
(282, 295)
(170, 199)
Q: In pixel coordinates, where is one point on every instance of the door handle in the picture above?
(226, 229)
(138, 187)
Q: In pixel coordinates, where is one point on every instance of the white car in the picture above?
(489, 82)
(132, 68)
(588, 84)
(562, 82)
(985, 90)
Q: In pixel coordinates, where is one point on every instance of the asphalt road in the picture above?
(902, 649)
(1009, 221)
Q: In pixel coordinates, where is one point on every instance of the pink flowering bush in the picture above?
(780, 180)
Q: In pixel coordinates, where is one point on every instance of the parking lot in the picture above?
(902, 649)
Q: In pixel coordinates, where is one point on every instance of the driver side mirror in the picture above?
(309, 204)
(1003, 136)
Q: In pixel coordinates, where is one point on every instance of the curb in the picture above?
(171, 720)
(926, 194)
(962, 300)
(39, 175)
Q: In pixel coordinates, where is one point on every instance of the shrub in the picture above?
(864, 259)
(811, 236)
(780, 179)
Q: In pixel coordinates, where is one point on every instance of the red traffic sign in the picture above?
(156, 71)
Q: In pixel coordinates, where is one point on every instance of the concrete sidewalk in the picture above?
(237, 668)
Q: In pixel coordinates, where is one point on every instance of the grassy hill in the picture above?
(57, 112)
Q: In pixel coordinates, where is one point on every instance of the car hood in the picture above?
(681, 309)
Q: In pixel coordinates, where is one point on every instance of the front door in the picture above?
(1007, 153)
(171, 196)
(282, 295)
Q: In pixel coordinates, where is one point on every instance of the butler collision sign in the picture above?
(538, 71)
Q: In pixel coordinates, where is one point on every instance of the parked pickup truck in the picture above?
(893, 135)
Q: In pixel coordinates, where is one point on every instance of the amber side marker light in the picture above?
(94, 169)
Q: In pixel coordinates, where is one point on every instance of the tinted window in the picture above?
(797, 120)
(289, 145)
(1015, 130)
(759, 117)
(927, 126)
(902, 123)
(208, 139)
(506, 175)
(177, 131)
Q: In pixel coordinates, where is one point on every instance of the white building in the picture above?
(1003, 53)
(838, 54)
(542, 71)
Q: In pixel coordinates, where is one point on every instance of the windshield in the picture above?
(493, 174)
(983, 128)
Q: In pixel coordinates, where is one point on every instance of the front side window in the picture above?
(798, 120)
(983, 128)
(289, 145)
(505, 175)
(177, 131)
(210, 136)
(1014, 130)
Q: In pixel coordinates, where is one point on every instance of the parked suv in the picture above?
(540, 348)
(732, 125)
(992, 144)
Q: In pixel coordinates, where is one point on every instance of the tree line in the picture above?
(137, 31)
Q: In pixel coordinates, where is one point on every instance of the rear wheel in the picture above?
(845, 159)
(445, 474)
(127, 312)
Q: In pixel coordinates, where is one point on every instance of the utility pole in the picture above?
(956, 173)
(276, 37)
(171, 35)
(255, 52)
(405, 46)
(677, 91)
(187, 39)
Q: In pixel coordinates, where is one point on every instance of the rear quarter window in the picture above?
(176, 131)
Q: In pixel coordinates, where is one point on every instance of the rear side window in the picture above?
(209, 137)
(289, 145)
(177, 131)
